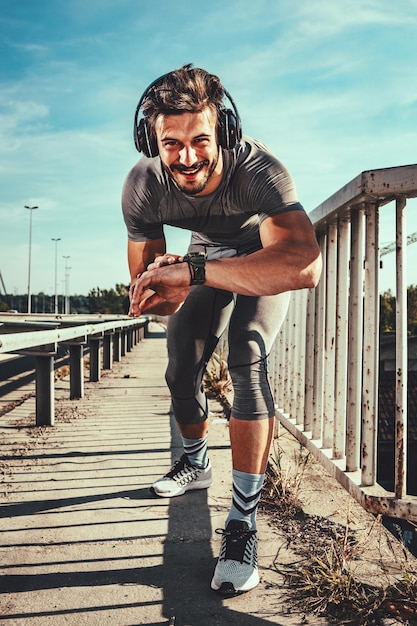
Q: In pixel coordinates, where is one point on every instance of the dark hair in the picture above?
(186, 90)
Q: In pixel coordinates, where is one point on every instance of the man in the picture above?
(251, 244)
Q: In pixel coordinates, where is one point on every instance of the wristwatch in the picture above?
(197, 266)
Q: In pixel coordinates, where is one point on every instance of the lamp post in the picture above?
(66, 283)
(31, 209)
(56, 272)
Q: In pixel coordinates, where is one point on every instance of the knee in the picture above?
(177, 384)
(183, 383)
(246, 346)
(252, 393)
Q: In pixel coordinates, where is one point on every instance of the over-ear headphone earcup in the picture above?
(229, 132)
(144, 140)
(229, 129)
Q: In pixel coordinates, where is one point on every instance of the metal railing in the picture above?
(40, 336)
(326, 390)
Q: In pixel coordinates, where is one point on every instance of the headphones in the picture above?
(229, 127)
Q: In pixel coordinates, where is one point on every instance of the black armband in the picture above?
(197, 266)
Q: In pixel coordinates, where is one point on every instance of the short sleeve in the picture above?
(140, 201)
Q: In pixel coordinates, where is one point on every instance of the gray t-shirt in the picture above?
(255, 185)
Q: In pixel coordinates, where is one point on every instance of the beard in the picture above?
(203, 171)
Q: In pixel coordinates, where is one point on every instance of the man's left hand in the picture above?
(165, 281)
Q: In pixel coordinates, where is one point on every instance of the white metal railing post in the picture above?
(401, 353)
(272, 359)
(301, 305)
(370, 348)
(283, 371)
(279, 360)
(339, 443)
(330, 338)
(320, 321)
(309, 366)
(289, 372)
(355, 341)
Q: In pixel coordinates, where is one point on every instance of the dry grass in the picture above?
(217, 383)
(323, 580)
(326, 585)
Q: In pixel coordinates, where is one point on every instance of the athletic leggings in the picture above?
(193, 333)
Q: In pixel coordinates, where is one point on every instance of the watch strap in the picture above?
(197, 266)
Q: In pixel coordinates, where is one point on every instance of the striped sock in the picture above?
(196, 451)
(246, 495)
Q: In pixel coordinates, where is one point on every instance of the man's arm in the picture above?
(140, 255)
(290, 259)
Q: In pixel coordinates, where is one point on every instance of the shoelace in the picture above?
(181, 471)
(236, 545)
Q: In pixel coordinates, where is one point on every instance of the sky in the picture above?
(329, 86)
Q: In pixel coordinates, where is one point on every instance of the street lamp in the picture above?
(31, 209)
(56, 272)
(66, 283)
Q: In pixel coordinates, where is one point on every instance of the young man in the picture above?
(251, 243)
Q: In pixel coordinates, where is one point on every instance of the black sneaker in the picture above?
(181, 478)
(237, 566)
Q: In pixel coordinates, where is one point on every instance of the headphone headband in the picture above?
(229, 128)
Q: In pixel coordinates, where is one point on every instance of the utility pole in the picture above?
(31, 209)
(56, 272)
(66, 284)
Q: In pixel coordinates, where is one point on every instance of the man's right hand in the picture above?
(162, 288)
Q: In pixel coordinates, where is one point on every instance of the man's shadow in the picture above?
(189, 562)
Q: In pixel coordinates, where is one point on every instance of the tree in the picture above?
(387, 311)
(112, 301)
(412, 309)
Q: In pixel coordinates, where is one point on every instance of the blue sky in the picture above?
(330, 86)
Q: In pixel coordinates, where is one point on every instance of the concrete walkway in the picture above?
(82, 539)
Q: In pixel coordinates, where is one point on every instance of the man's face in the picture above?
(189, 151)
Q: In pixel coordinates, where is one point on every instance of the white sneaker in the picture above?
(237, 568)
(183, 477)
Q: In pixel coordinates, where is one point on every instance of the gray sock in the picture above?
(196, 451)
(246, 495)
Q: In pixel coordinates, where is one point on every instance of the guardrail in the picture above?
(326, 389)
(40, 336)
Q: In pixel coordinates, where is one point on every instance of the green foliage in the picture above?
(108, 301)
(387, 311)
(412, 309)
(113, 301)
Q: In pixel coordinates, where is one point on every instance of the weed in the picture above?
(282, 481)
(327, 586)
(217, 382)
(325, 582)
